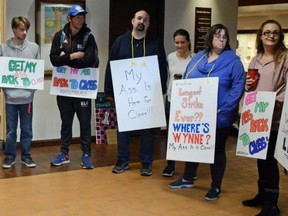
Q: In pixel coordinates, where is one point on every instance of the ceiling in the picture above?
(261, 10)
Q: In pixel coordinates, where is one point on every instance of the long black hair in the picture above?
(183, 32)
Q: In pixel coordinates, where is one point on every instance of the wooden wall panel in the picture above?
(260, 2)
(2, 101)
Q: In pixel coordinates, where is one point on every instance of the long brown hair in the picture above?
(281, 49)
(215, 29)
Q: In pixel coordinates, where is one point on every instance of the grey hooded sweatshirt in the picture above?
(26, 50)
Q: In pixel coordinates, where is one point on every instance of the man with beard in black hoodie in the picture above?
(75, 47)
(136, 43)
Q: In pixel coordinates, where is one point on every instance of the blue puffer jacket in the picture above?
(230, 71)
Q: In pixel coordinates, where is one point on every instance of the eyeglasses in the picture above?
(269, 33)
(219, 36)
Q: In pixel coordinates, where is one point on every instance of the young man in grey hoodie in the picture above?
(19, 101)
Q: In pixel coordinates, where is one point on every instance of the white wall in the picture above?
(181, 14)
(46, 122)
(46, 119)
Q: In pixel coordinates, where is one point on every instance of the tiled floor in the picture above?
(70, 191)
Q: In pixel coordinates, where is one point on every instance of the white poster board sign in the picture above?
(22, 73)
(281, 149)
(255, 124)
(192, 124)
(138, 93)
(75, 82)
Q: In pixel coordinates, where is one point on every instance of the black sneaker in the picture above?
(181, 183)
(213, 194)
(28, 162)
(8, 163)
(269, 211)
(120, 167)
(146, 169)
(168, 171)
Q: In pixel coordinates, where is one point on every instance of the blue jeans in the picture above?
(146, 146)
(25, 113)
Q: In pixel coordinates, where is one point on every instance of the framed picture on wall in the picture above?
(50, 17)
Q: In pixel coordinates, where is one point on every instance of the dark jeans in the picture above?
(68, 106)
(268, 173)
(25, 112)
(146, 145)
(218, 168)
(170, 163)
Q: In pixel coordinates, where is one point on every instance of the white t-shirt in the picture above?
(176, 66)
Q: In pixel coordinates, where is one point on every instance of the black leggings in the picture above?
(218, 168)
(268, 173)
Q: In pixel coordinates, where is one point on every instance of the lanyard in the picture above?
(197, 64)
(132, 46)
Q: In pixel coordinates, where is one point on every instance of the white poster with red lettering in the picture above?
(192, 124)
(75, 82)
(255, 124)
(281, 150)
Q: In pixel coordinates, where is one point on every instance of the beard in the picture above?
(141, 27)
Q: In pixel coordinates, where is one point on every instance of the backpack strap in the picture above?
(62, 39)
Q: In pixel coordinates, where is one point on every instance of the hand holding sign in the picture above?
(22, 73)
(75, 82)
(192, 128)
(138, 93)
(255, 124)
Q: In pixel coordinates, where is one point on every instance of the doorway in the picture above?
(122, 11)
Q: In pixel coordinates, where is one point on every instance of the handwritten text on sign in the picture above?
(22, 73)
(138, 93)
(281, 149)
(74, 82)
(192, 125)
(255, 124)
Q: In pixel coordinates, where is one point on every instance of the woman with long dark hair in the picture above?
(217, 60)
